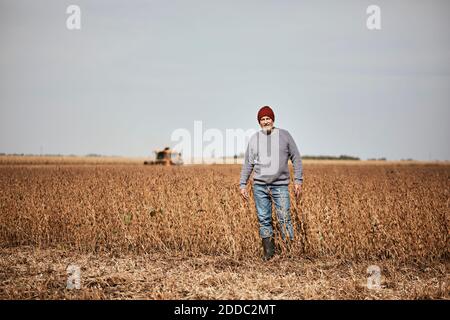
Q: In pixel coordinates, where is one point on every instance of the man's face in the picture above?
(266, 124)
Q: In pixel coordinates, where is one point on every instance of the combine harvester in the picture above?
(166, 157)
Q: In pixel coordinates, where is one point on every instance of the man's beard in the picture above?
(267, 130)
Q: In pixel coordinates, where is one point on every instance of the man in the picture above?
(267, 155)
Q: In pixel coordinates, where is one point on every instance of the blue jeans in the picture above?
(264, 195)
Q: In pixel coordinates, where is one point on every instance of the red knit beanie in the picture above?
(266, 111)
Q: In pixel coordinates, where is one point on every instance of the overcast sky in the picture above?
(138, 70)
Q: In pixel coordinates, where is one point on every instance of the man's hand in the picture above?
(298, 189)
(244, 193)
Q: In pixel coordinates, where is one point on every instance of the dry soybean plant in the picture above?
(359, 212)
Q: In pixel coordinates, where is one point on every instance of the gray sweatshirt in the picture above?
(271, 167)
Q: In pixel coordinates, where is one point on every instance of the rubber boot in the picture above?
(269, 248)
